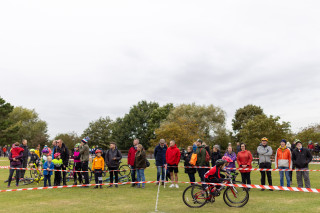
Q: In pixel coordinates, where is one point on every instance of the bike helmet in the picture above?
(310, 142)
(31, 150)
(297, 140)
(56, 155)
(77, 145)
(98, 151)
(45, 151)
(220, 162)
(228, 159)
(264, 139)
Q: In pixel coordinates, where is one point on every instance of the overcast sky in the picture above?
(74, 61)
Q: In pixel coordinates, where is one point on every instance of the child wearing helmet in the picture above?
(57, 162)
(77, 165)
(214, 174)
(45, 154)
(98, 167)
(34, 158)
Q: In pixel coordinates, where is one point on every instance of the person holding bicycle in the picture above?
(214, 174)
(34, 158)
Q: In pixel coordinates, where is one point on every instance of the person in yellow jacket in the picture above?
(98, 167)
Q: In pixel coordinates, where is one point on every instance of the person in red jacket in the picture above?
(131, 158)
(173, 159)
(244, 160)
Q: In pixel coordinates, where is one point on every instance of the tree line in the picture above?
(150, 122)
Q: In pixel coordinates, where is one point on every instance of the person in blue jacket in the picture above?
(160, 156)
(47, 174)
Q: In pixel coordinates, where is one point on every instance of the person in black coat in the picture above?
(190, 171)
(160, 156)
(216, 155)
(64, 153)
(113, 157)
(301, 157)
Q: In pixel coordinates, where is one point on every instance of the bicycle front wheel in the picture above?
(124, 170)
(195, 196)
(236, 197)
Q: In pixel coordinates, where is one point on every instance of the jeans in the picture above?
(17, 175)
(192, 178)
(57, 177)
(160, 172)
(133, 174)
(201, 172)
(140, 176)
(47, 178)
(282, 176)
(24, 165)
(77, 167)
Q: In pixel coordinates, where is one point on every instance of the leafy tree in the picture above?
(140, 122)
(30, 126)
(8, 134)
(99, 132)
(222, 138)
(184, 131)
(264, 126)
(69, 139)
(208, 118)
(309, 133)
(243, 115)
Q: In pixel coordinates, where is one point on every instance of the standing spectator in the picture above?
(37, 151)
(64, 153)
(189, 171)
(57, 162)
(194, 147)
(97, 168)
(311, 147)
(160, 156)
(301, 158)
(283, 161)
(293, 145)
(216, 155)
(208, 150)
(238, 147)
(173, 159)
(84, 158)
(201, 159)
(15, 157)
(54, 146)
(229, 153)
(265, 152)
(317, 149)
(244, 160)
(77, 165)
(48, 166)
(113, 157)
(140, 165)
(25, 156)
(4, 150)
(131, 158)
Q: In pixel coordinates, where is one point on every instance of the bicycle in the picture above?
(71, 171)
(196, 196)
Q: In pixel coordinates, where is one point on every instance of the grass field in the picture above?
(128, 199)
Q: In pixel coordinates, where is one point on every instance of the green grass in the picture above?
(127, 199)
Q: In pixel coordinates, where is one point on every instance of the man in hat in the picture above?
(265, 153)
(84, 158)
(301, 158)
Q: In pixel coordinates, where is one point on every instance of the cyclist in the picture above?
(214, 175)
(34, 158)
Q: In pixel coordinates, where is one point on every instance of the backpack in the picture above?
(193, 160)
(207, 155)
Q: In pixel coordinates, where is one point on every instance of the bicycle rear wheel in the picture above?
(124, 170)
(236, 197)
(195, 196)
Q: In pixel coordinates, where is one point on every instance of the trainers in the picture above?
(171, 186)
(177, 186)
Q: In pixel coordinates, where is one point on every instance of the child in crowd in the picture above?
(34, 158)
(77, 165)
(57, 161)
(98, 167)
(47, 166)
(45, 153)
